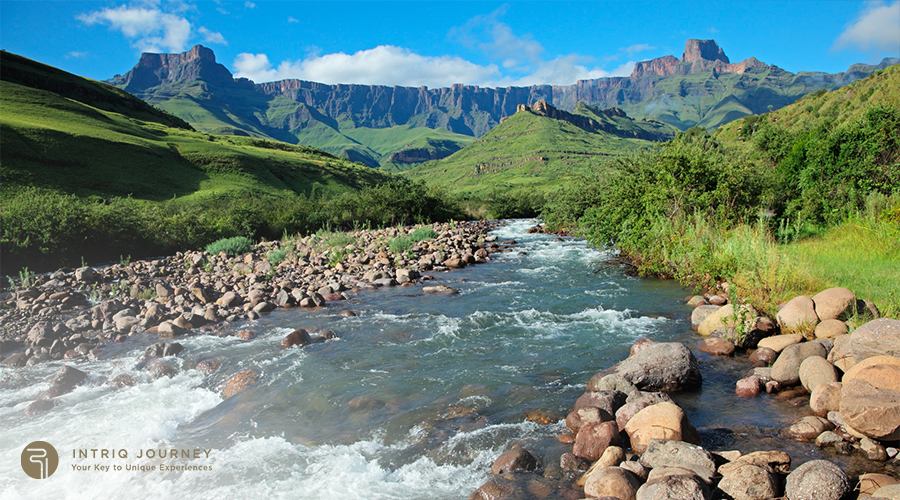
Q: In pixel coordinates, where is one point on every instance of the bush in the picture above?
(400, 245)
(231, 246)
(422, 234)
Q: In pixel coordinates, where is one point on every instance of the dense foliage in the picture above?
(43, 229)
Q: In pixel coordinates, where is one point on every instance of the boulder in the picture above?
(841, 355)
(763, 356)
(779, 342)
(775, 461)
(835, 303)
(611, 382)
(645, 399)
(238, 382)
(717, 346)
(660, 421)
(891, 491)
(682, 487)
(815, 371)
(750, 482)
(612, 482)
(817, 480)
(748, 387)
(825, 398)
(169, 329)
(577, 419)
(667, 453)
(609, 401)
(661, 366)
(725, 317)
(298, 337)
(798, 313)
(873, 450)
(515, 460)
(877, 337)
(63, 381)
(39, 406)
(700, 313)
(809, 428)
(830, 328)
(163, 349)
(871, 411)
(593, 439)
(786, 369)
(442, 289)
(881, 375)
(869, 362)
(871, 482)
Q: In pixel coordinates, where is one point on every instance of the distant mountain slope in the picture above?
(701, 88)
(540, 147)
(70, 134)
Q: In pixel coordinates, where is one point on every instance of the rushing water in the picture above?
(415, 398)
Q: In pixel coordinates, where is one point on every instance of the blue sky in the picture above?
(441, 43)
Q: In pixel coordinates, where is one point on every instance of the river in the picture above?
(414, 399)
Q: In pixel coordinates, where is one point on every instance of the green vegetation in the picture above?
(423, 234)
(81, 180)
(786, 203)
(234, 246)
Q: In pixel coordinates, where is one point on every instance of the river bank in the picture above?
(498, 363)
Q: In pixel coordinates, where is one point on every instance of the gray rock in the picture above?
(680, 487)
(611, 382)
(668, 453)
(817, 480)
(816, 371)
(700, 313)
(515, 460)
(786, 369)
(662, 366)
(877, 337)
(750, 482)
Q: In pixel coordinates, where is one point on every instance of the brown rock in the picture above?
(748, 387)
(593, 439)
(444, 289)
(877, 337)
(834, 303)
(39, 406)
(786, 368)
(815, 371)
(830, 328)
(515, 460)
(871, 411)
(611, 482)
(609, 401)
(660, 421)
(700, 313)
(717, 346)
(239, 382)
(882, 376)
(841, 355)
(825, 398)
(297, 337)
(640, 344)
(169, 329)
(779, 342)
(809, 428)
(763, 356)
(774, 461)
(750, 482)
(584, 416)
(869, 483)
(799, 313)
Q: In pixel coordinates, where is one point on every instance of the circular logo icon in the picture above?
(39, 460)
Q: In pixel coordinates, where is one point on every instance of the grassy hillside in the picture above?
(532, 151)
(85, 178)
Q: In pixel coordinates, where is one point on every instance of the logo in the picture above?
(39, 460)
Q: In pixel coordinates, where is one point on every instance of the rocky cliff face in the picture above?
(155, 70)
(699, 56)
(703, 50)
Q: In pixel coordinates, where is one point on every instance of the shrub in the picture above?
(422, 234)
(400, 245)
(231, 246)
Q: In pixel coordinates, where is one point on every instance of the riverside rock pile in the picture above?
(631, 441)
(72, 313)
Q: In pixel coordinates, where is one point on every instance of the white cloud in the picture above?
(75, 54)
(634, 49)
(250, 5)
(152, 29)
(876, 29)
(212, 36)
(292, 19)
(383, 65)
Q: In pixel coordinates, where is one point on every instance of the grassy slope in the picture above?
(528, 151)
(62, 144)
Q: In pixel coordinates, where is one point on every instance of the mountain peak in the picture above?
(160, 69)
(706, 50)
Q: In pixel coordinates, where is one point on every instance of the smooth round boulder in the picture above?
(748, 387)
(815, 371)
(891, 491)
(835, 303)
(799, 313)
(817, 480)
(609, 401)
(515, 460)
(660, 366)
(749, 482)
(611, 382)
(871, 411)
(825, 398)
(809, 428)
(239, 382)
(779, 343)
(593, 439)
(700, 313)
(682, 487)
(786, 369)
(776, 461)
(661, 453)
(660, 421)
(877, 337)
(763, 356)
(830, 328)
(717, 346)
(612, 482)
(852, 372)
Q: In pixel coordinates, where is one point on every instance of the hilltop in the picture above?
(402, 126)
(541, 147)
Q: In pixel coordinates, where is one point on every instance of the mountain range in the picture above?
(397, 127)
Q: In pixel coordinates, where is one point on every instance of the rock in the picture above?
(638, 403)
(611, 382)
(830, 328)
(891, 491)
(877, 337)
(160, 367)
(85, 275)
(825, 398)
(725, 317)
(63, 381)
(635, 468)
(502, 487)
(775, 461)
(871, 482)
(122, 380)
(873, 450)
(39, 406)
(169, 329)
(298, 337)
(593, 439)
(717, 346)
(444, 289)
(583, 416)
(609, 401)
(667, 453)
(841, 356)
(163, 349)
(700, 313)
(611, 482)
(871, 411)
(786, 369)
(748, 387)
(660, 421)
(663, 366)
(163, 291)
(682, 487)
(798, 314)
(515, 460)
(809, 428)
(570, 463)
(264, 307)
(881, 375)
(817, 480)
(815, 371)
(828, 438)
(749, 482)
(695, 301)
(640, 344)
(835, 303)
(763, 356)
(17, 360)
(42, 334)
(239, 382)
(779, 342)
